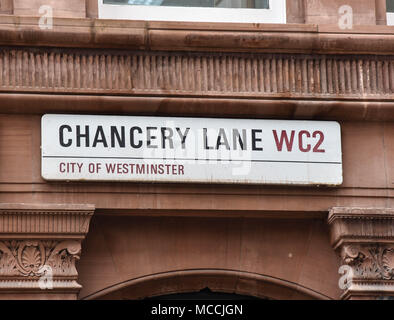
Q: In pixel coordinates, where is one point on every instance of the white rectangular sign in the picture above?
(207, 150)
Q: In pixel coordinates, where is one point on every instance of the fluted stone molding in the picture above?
(39, 245)
(233, 75)
(364, 239)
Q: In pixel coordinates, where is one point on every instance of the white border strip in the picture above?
(390, 18)
(276, 13)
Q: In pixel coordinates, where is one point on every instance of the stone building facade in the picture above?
(129, 240)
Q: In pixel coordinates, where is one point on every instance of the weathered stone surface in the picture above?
(264, 241)
(364, 238)
(61, 8)
(39, 245)
(326, 11)
(203, 74)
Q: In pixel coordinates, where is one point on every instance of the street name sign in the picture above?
(190, 150)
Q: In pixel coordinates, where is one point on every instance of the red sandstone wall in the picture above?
(61, 8)
(368, 150)
(156, 255)
(258, 231)
(326, 11)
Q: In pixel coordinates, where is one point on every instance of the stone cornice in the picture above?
(286, 71)
(361, 225)
(196, 74)
(354, 213)
(23, 221)
(40, 103)
(176, 36)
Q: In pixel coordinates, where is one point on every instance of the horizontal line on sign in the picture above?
(188, 159)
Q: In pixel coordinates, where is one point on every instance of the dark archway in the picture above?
(204, 294)
(187, 282)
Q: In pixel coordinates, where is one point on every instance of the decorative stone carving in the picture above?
(41, 243)
(364, 239)
(27, 258)
(232, 75)
(370, 261)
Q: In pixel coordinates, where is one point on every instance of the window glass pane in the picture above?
(390, 5)
(257, 4)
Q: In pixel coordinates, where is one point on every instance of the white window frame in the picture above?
(390, 18)
(275, 14)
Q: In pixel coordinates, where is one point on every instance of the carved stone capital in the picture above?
(39, 246)
(375, 262)
(364, 239)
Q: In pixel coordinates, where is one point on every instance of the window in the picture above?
(390, 12)
(250, 11)
(255, 4)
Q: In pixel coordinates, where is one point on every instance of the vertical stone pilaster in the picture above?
(364, 239)
(381, 11)
(39, 245)
(91, 8)
(6, 7)
(295, 11)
